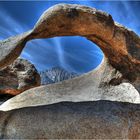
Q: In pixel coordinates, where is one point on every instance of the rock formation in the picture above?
(116, 79)
(120, 45)
(95, 85)
(68, 120)
(18, 77)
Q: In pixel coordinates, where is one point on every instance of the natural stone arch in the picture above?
(120, 45)
(96, 119)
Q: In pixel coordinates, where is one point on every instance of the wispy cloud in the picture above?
(9, 25)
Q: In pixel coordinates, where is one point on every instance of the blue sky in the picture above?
(72, 53)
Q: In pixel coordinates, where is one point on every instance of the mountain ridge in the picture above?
(56, 74)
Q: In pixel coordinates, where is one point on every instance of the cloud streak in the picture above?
(9, 26)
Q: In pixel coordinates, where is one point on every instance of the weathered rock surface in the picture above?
(68, 120)
(11, 48)
(99, 84)
(18, 77)
(114, 80)
(120, 45)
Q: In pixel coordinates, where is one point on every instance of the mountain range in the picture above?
(55, 74)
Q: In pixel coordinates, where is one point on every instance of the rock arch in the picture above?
(120, 45)
(99, 119)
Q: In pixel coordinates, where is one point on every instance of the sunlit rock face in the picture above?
(119, 44)
(18, 77)
(103, 83)
(116, 79)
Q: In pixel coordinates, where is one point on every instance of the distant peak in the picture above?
(56, 74)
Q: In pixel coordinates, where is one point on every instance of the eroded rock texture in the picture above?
(99, 84)
(18, 77)
(115, 79)
(120, 45)
(68, 120)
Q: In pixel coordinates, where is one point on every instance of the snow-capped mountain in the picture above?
(55, 74)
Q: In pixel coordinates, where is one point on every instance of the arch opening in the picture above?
(62, 58)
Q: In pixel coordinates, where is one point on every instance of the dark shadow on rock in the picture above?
(5, 97)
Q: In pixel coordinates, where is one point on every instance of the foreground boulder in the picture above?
(68, 120)
(18, 77)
